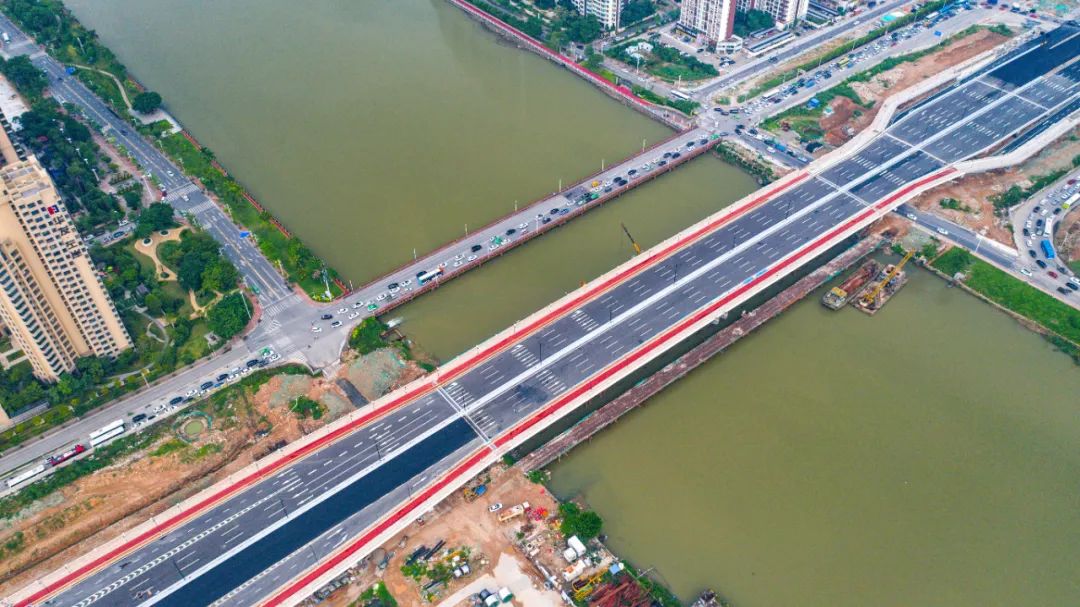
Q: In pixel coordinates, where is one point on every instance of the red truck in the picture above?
(56, 460)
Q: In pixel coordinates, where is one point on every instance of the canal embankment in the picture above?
(669, 116)
(1056, 321)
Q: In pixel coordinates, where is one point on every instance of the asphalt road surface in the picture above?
(287, 319)
(807, 42)
(250, 544)
(996, 253)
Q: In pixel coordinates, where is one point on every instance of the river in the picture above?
(370, 128)
(925, 456)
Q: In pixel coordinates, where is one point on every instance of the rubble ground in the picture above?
(973, 193)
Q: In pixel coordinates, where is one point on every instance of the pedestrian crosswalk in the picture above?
(202, 207)
(272, 327)
(184, 190)
(281, 305)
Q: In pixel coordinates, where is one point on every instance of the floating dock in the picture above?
(887, 283)
(838, 297)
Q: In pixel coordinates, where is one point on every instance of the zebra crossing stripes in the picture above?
(459, 393)
(281, 305)
(272, 327)
(584, 320)
(523, 356)
(202, 207)
(553, 384)
(184, 190)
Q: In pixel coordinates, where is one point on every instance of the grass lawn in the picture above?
(145, 262)
(1011, 293)
(196, 346)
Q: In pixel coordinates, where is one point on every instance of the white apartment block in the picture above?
(606, 11)
(713, 19)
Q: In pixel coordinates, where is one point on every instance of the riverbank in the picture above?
(1058, 322)
(53, 26)
(621, 93)
(910, 450)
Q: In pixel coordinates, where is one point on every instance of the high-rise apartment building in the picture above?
(606, 11)
(51, 298)
(713, 19)
(784, 12)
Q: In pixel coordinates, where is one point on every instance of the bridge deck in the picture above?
(243, 549)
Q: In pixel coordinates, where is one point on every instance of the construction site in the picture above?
(505, 539)
(502, 540)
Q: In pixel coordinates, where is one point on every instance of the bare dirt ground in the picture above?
(459, 524)
(1067, 237)
(98, 507)
(974, 191)
(849, 118)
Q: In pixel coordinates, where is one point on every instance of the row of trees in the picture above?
(65, 147)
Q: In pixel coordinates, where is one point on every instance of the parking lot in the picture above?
(1035, 221)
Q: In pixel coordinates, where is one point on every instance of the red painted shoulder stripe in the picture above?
(502, 440)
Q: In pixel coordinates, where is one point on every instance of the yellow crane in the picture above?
(583, 588)
(871, 295)
(637, 247)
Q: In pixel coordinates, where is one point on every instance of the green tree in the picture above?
(146, 102)
(157, 216)
(153, 303)
(220, 276)
(635, 11)
(25, 76)
(367, 336)
(584, 524)
(181, 331)
(593, 59)
(229, 316)
(751, 21)
(583, 29)
(544, 5)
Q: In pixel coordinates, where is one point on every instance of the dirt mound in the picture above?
(973, 192)
(848, 118)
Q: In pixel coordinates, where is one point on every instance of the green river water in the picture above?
(924, 456)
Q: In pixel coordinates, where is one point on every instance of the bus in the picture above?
(1047, 248)
(107, 429)
(101, 439)
(428, 276)
(1068, 203)
(22, 477)
(680, 95)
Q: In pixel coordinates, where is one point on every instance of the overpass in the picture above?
(267, 536)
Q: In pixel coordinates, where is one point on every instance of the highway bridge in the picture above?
(267, 537)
